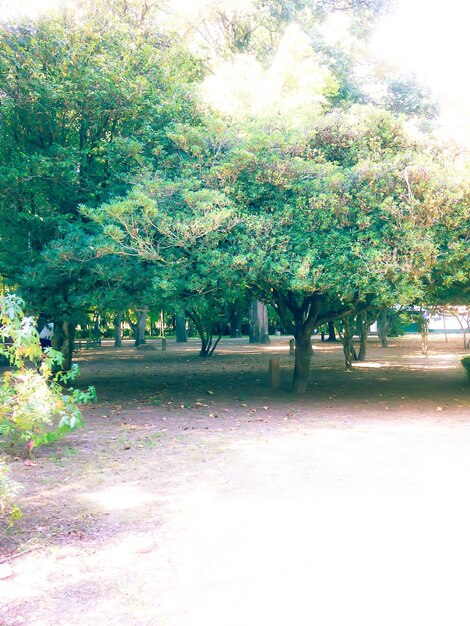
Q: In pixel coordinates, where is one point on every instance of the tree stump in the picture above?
(275, 373)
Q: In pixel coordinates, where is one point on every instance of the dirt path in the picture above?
(197, 496)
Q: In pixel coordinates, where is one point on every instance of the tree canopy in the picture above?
(120, 188)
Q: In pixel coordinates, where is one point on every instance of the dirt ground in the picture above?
(197, 496)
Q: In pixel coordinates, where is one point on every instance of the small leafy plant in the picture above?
(36, 406)
(466, 364)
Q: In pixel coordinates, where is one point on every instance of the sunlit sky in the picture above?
(428, 37)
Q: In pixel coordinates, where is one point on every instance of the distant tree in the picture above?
(229, 28)
(406, 94)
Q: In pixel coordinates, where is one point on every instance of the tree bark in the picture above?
(258, 315)
(180, 328)
(62, 340)
(303, 355)
(118, 329)
(331, 331)
(140, 327)
(382, 327)
(424, 333)
(97, 329)
(348, 348)
(363, 324)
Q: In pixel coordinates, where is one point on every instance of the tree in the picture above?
(323, 226)
(84, 110)
(405, 94)
(332, 223)
(230, 28)
(178, 228)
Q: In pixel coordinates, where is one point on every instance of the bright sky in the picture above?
(429, 37)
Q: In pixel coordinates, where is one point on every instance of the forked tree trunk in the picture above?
(118, 329)
(140, 327)
(303, 355)
(62, 340)
(208, 345)
(180, 328)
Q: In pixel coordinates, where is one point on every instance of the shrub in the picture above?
(36, 407)
(466, 363)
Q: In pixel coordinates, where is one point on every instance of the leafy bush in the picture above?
(466, 363)
(36, 407)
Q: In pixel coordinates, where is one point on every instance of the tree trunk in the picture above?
(424, 333)
(363, 324)
(205, 333)
(331, 331)
(235, 318)
(382, 327)
(97, 329)
(140, 327)
(62, 340)
(258, 316)
(303, 355)
(238, 321)
(348, 348)
(180, 328)
(118, 329)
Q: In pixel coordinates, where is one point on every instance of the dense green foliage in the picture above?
(119, 190)
(83, 113)
(322, 224)
(466, 364)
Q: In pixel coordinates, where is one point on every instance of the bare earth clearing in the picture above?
(197, 496)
